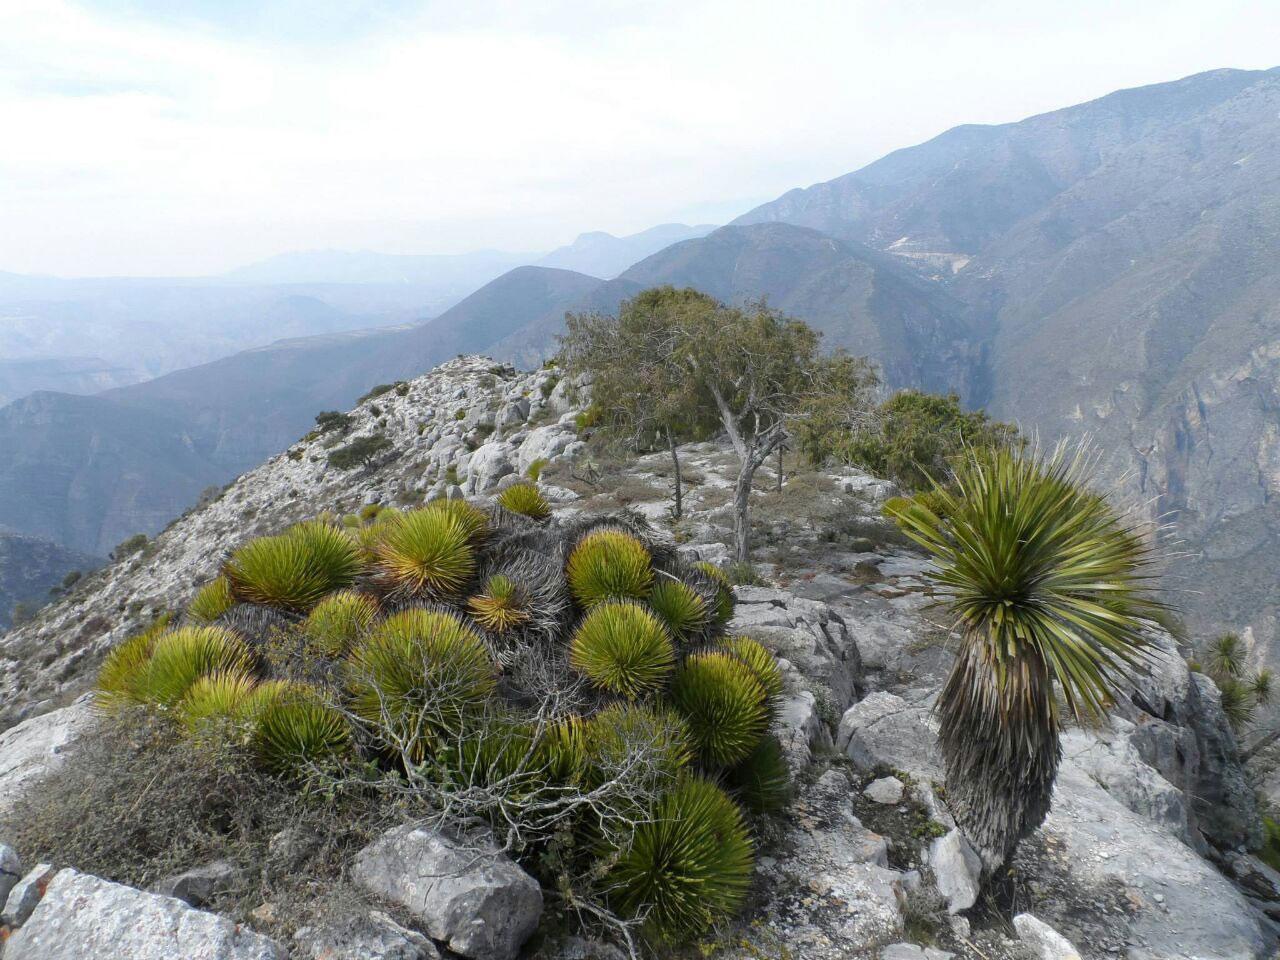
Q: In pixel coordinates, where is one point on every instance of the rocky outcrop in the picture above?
(83, 916)
(37, 747)
(469, 896)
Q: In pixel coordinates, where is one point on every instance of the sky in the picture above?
(188, 137)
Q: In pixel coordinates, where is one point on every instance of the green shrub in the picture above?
(294, 569)
(620, 730)
(294, 729)
(762, 781)
(178, 658)
(500, 605)
(622, 648)
(743, 573)
(213, 600)
(609, 565)
(589, 418)
(377, 391)
(725, 706)
(418, 674)
(678, 606)
(460, 414)
(129, 546)
(328, 420)
(688, 866)
(215, 697)
(360, 452)
(337, 621)
(524, 499)
(427, 553)
(724, 591)
(534, 470)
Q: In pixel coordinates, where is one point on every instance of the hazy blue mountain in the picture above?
(603, 255)
(461, 272)
(31, 567)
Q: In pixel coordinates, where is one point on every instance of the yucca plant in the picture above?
(724, 590)
(623, 731)
(678, 606)
(174, 660)
(622, 648)
(1239, 705)
(762, 781)
(294, 569)
(609, 565)
(526, 500)
(1262, 684)
(293, 729)
(338, 621)
(1048, 586)
(725, 705)
(763, 664)
(473, 519)
(501, 605)
(216, 697)
(687, 866)
(122, 669)
(213, 600)
(418, 676)
(427, 553)
(1226, 656)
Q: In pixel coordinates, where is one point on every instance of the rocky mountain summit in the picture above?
(1147, 853)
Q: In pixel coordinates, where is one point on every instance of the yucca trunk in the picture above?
(999, 738)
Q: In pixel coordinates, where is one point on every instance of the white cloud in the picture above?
(139, 146)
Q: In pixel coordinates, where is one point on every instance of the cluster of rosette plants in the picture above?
(578, 669)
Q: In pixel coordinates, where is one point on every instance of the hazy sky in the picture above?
(190, 136)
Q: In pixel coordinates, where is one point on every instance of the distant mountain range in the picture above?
(1111, 268)
(30, 568)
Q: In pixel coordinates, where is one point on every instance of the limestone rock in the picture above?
(199, 885)
(10, 871)
(488, 464)
(469, 896)
(885, 730)
(26, 893)
(1046, 942)
(886, 790)
(909, 951)
(957, 869)
(84, 916)
(371, 936)
(544, 443)
(38, 746)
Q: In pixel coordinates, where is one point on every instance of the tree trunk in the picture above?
(741, 512)
(781, 447)
(678, 511)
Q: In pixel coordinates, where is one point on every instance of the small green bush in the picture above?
(338, 621)
(524, 499)
(608, 565)
(130, 546)
(330, 420)
(688, 866)
(361, 452)
(725, 706)
(678, 606)
(500, 605)
(622, 648)
(377, 391)
(534, 471)
(427, 553)
(294, 729)
(294, 569)
(213, 600)
(420, 673)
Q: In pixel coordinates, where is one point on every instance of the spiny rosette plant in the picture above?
(525, 499)
(1049, 587)
(568, 681)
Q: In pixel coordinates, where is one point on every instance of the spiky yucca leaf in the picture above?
(427, 553)
(609, 565)
(338, 621)
(762, 781)
(216, 697)
(763, 665)
(678, 606)
(526, 500)
(295, 569)
(294, 729)
(1227, 656)
(418, 675)
(1262, 683)
(472, 518)
(725, 705)
(688, 866)
(500, 606)
(1239, 704)
(213, 600)
(724, 591)
(622, 648)
(181, 657)
(122, 670)
(1049, 587)
(623, 733)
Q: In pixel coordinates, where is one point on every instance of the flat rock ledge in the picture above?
(83, 916)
